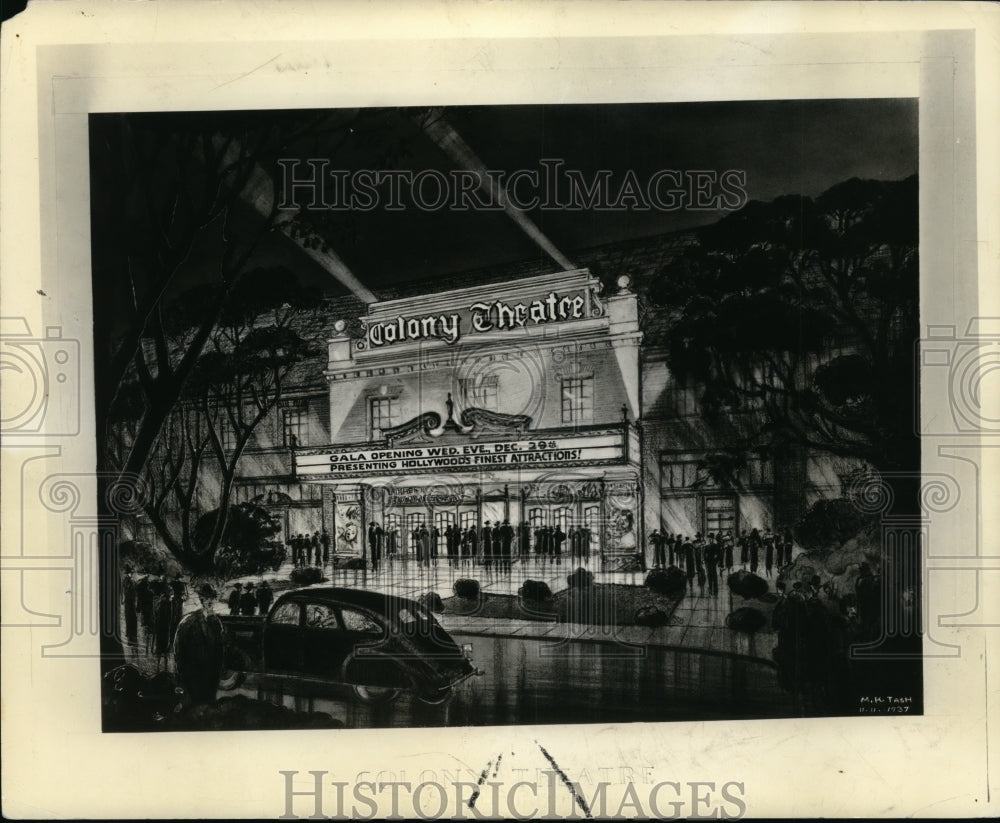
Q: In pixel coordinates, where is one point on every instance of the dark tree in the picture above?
(799, 318)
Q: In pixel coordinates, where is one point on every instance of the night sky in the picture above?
(784, 147)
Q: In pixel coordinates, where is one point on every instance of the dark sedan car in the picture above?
(380, 645)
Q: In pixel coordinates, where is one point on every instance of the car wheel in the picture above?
(437, 697)
(374, 695)
(235, 672)
(231, 679)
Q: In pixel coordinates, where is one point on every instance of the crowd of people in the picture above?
(705, 557)
(309, 550)
(157, 605)
(245, 600)
(494, 545)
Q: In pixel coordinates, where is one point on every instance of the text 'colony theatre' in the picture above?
(517, 402)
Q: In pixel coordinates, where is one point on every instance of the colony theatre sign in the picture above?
(522, 306)
(585, 449)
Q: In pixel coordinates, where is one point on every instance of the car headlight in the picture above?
(467, 649)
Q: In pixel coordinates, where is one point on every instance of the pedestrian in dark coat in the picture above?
(199, 650)
(248, 601)
(130, 609)
(234, 599)
(162, 625)
(178, 594)
(506, 532)
(754, 542)
(324, 541)
(558, 536)
(690, 568)
(264, 597)
(769, 554)
(146, 601)
(435, 538)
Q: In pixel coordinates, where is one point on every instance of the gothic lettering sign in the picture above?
(480, 317)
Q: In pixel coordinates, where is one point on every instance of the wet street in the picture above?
(529, 681)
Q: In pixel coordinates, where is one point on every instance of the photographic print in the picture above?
(482, 410)
(507, 414)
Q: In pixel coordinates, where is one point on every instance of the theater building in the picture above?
(517, 402)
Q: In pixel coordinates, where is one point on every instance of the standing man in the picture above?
(316, 549)
(324, 541)
(506, 543)
(178, 596)
(199, 650)
(145, 601)
(248, 601)
(558, 536)
(161, 621)
(234, 599)
(264, 597)
(371, 544)
(435, 539)
(418, 548)
(690, 568)
(129, 607)
(659, 556)
(487, 545)
(425, 542)
(376, 546)
(754, 550)
(712, 554)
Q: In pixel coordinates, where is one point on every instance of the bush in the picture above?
(668, 581)
(432, 602)
(651, 616)
(536, 591)
(830, 523)
(580, 579)
(466, 588)
(747, 585)
(306, 576)
(746, 620)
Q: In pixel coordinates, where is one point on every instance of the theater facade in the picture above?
(517, 402)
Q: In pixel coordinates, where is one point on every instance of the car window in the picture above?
(355, 621)
(287, 614)
(321, 616)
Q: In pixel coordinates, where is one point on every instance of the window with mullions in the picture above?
(560, 518)
(681, 400)
(759, 471)
(480, 392)
(578, 400)
(469, 520)
(294, 425)
(536, 517)
(383, 413)
(679, 474)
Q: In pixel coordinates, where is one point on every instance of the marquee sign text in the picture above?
(561, 451)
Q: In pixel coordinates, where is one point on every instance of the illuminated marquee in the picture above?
(551, 451)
